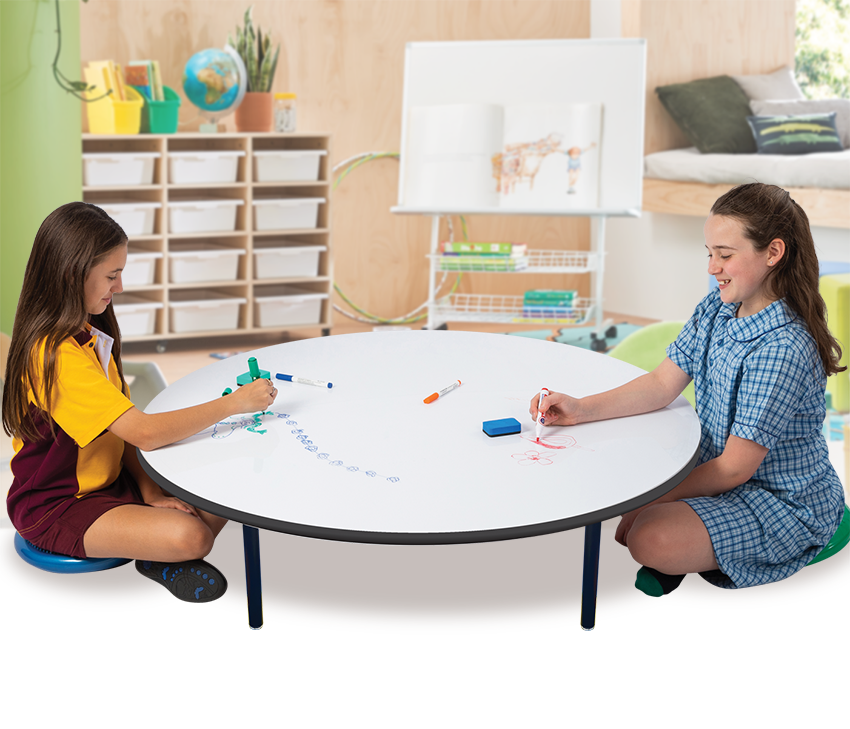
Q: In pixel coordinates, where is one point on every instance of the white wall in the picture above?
(656, 266)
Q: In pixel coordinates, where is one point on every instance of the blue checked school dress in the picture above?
(761, 378)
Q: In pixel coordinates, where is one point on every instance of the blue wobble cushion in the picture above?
(60, 563)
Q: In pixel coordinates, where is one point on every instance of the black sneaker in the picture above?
(192, 581)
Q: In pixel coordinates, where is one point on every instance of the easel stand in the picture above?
(490, 86)
(504, 309)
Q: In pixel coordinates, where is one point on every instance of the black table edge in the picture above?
(370, 537)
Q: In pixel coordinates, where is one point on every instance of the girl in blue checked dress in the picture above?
(764, 499)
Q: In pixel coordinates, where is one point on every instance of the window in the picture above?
(822, 48)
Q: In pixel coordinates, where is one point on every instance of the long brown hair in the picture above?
(71, 241)
(767, 212)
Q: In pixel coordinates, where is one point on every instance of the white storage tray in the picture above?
(286, 213)
(103, 169)
(202, 311)
(202, 216)
(277, 306)
(287, 262)
(186, 168)
(199, 261)
(136, 316)
(136, 218)
(140, 268)
(287, 165)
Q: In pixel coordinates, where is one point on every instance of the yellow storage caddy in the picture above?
(110, 116)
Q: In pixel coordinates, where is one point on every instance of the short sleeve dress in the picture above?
(761, 378)
(78, 458)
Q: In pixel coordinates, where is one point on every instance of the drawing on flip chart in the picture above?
(254, 423)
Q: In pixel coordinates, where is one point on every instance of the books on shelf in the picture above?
(109, 76)
(549, 304)
(549, 297)
(149, 72)
(487, 257)
(106, 76)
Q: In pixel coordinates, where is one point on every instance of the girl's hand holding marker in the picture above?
(553, 408)
(256, 396)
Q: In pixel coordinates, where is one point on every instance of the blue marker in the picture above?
(304, 381)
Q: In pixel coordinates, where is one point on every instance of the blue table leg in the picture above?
(251, 540)
(590, 577)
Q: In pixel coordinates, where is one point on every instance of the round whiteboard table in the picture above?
(368, 461)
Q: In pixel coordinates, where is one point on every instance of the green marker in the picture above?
(254, 368)
(227, 391)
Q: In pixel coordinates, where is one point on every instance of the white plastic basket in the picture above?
(136, 315)
(202, 216)
(135, 217)
(286, 213)
(287, 165)
(140, 268)
(201, 310)
(277, 306)
(287, 262)
(186, 168)
(200, 261)
(105, 169)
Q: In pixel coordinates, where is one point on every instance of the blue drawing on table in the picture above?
(250, 423)
(253, 423)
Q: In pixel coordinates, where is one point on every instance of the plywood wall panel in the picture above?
(344, 59)
(691, 39)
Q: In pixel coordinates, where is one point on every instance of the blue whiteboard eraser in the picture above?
(504, 426)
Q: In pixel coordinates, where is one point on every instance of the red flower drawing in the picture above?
(529, 458)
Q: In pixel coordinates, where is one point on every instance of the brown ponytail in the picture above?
(767, 212)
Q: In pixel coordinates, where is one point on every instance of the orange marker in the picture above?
(446, 391)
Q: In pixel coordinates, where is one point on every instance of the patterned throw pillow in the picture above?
(800, 134)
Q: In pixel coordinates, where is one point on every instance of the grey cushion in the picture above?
(795, 107)
(780, 84)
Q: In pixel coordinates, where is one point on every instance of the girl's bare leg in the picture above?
(672, 539)
(161, 535)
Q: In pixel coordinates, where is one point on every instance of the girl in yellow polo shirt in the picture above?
(78, 487)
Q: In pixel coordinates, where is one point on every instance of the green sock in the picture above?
(655, 583)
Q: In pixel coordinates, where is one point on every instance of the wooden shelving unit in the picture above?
(247, 285)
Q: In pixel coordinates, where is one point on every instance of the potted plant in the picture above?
(254, 114)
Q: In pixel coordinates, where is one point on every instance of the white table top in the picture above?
(368, 461)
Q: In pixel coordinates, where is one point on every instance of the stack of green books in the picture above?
(549, 304)
(487, 257)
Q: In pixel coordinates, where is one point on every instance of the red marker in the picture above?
(539, 427)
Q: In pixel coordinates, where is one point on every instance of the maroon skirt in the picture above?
(65, 535)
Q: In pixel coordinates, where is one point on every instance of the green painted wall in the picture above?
(40, 131)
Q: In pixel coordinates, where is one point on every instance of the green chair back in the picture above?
(647, 347)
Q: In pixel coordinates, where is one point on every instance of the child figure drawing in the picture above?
(574, 155)
(764, 499)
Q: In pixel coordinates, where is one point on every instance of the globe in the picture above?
(215, 80)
